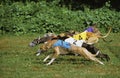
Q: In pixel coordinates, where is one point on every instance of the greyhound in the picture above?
(56, 44)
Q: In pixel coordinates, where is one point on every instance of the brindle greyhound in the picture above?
(56, 44)
(39, 40)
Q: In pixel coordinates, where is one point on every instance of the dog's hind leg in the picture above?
(92, 40)
(99, 62)
(103, 56)
(95, 59)
(90, 56)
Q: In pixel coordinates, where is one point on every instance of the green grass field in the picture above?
(18, 60)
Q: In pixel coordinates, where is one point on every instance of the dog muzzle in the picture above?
(31, 44)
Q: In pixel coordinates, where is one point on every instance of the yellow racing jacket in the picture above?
(80, 36)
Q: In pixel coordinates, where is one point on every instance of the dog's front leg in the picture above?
(50, 61)
(55, 55)
(46, 58)
(38, 52)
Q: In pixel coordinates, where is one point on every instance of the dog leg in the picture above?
(38, 52)
(97, 53)
(55, 55)
(100, 62)
(46, 58)
(92, 40)
(95, 59)
(103, 57)
(90, 56)
(51, 61)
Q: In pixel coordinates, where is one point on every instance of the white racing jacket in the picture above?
(75, 42)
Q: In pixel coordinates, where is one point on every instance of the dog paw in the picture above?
(102, 63)
(37, 54)
(47, 64)
(44, 60)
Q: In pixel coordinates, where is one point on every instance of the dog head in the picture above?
(35, 42)
(40, 40)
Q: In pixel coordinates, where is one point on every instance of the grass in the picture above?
(17, 60)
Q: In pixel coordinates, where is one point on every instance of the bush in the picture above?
(41, 17)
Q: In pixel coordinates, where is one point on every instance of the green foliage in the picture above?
(40, 17)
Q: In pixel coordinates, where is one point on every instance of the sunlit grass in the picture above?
(18, 60)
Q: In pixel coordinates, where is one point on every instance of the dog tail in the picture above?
(107, 33)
